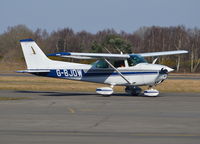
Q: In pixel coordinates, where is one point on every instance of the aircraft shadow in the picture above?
(128, 95)
(63, 94)
(52, 93)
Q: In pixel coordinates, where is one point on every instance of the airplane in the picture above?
(128, 70)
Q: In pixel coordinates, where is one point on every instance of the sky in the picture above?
(96, 15)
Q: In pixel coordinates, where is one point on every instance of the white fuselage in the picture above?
(140, 74)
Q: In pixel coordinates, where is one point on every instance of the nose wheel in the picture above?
(150, 92)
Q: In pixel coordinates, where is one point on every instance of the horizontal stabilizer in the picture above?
(33, 71)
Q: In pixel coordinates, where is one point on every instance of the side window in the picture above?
(101, 64)
(119, 63)
(104, 64)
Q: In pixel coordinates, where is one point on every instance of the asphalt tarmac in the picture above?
(87, 118)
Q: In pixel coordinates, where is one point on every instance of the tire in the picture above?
(133, 90)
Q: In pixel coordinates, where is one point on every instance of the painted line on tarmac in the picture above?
(71, 110)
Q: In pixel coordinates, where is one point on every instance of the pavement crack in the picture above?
(51, 104)
(104, 119)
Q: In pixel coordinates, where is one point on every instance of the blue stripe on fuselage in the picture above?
(79, 73)
(115, 73)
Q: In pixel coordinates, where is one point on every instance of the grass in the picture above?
(51, 84)
(180, 86)
(12, 98)
(46, 84)
(11, 67)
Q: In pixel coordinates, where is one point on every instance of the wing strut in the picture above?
(118, 72)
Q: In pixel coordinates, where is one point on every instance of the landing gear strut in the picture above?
(133, 90)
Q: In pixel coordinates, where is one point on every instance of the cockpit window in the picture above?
(132, 61)
(135, 59)
(104, 64)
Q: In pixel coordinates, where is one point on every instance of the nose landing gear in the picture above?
(151, 92)
(163, 73)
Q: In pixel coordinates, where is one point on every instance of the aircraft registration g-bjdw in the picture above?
(128, 70)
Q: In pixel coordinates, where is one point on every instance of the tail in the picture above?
(34, 56)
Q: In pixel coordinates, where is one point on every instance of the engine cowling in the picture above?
(163, 73)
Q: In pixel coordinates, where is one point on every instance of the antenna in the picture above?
(107, 50)
(119, 50)
(110, 52)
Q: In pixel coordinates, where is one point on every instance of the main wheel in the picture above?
(133, 90)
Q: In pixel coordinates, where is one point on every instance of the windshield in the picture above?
(135, 59)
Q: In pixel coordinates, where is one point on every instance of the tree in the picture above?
(194, 50)
(96, 47)
(117, 43)
(146, 39)
(9, 42)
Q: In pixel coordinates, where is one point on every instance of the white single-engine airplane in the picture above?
(129, 70)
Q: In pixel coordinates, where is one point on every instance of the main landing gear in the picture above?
(105, 91)
(132, 90)
(136, 91)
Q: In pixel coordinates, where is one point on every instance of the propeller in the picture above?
(154, 61)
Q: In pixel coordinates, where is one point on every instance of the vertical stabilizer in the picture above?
(34, 56)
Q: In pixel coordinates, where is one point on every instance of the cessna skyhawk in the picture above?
(129, 70)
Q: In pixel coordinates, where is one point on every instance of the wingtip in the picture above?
(26, 40)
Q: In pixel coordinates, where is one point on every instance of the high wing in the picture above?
(90, 55)
(163, 53)
(113, 56)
